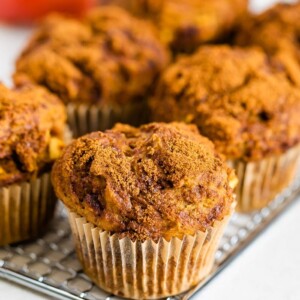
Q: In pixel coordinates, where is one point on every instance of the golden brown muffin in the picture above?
(236, 97)
(109, 56)
(140, 8)
(159, 180)
(277, 31)
(185, 24)
(32, 124)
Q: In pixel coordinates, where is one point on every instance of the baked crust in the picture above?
(32, 124)
(185, 24)
(108, 56)
(237, 98)
(159, 180)
(277, 32)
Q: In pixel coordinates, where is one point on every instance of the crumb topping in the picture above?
(185, 24)
(277, 31)
(32, 123)
(159, 180)
(108, 56)
(237, 99)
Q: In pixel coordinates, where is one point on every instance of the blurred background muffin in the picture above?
(135, 190)
(277, 32)
(186, 24)
(32, 127)
(246, 106)
(102, 67)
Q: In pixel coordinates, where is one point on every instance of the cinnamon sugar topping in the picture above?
(32, 124)
(237, 97)
(109, 56)
(159, 180)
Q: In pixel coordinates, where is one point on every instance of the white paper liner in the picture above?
(145, 270)
(259, 182)
(26, 209)
(68, 135)
(83, 118)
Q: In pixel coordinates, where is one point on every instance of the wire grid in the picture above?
(49, 264)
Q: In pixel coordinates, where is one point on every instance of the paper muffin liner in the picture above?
(26, 208)
(144, 270)
(68, 135)
(83, 118)
(261, 181)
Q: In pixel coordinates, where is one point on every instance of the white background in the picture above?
(268, 269)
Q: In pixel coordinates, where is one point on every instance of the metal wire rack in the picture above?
(49, 264)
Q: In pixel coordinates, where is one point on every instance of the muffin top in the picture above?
(32, 123)
(185, 24)
(236, 97)
(109, 56)
(159, 180)
(277, 31)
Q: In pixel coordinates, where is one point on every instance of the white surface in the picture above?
(11, 41)
(260, 5)
(268, 269)
(11, 291)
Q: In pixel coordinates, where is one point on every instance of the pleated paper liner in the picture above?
(88, 118)
(260, 181)
(26, 209)
(144, 270)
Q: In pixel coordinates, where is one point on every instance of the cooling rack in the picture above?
(49, 264)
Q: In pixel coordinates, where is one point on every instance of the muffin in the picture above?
(276, 31)
(248, 108)
(102, 67)
(147, 206)
(32, 124)
(186, 24)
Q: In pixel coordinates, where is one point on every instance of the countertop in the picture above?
(268, 269)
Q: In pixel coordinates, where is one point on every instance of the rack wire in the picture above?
(49, 264)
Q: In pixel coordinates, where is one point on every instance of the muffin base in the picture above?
(144, 270)
(260, 182)
(26, 209)
(83, 118)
